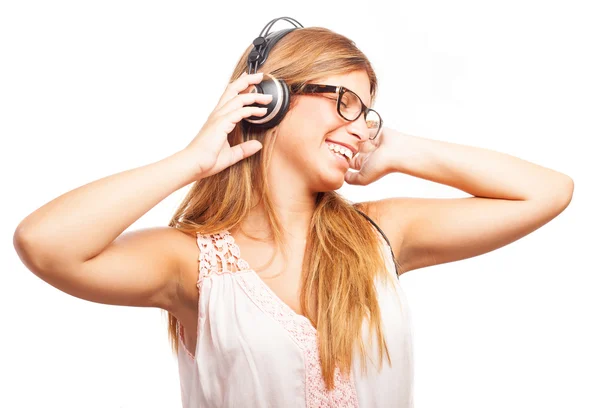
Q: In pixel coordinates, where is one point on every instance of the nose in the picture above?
(359, 128)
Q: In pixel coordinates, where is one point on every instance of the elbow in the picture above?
(566, 192)
(22, 245)
(25, 247)
(555, 197)
(36, 256)
(21, 241)
(560, 195)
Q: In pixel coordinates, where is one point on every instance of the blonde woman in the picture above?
(279, 291)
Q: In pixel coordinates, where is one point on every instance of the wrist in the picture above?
(408, 152)
(185, 167)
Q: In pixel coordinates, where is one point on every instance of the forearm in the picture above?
(477, 171)
(79, 224)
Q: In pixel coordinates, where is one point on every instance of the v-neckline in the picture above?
(264, 285)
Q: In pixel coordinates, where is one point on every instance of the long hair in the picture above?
(345, 252)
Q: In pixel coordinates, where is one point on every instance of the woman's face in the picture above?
(301, 144)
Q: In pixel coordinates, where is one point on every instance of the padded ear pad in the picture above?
(277, 108)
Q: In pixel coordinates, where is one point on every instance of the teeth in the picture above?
(340, 149)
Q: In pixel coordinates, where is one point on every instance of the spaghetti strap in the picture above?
(384, 237)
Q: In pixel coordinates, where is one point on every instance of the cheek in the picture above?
(313, 117)
(305, 128)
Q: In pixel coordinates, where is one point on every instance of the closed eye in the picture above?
(335, 100)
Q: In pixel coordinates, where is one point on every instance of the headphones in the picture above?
(279, 105)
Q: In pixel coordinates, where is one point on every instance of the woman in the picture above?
(280, 292)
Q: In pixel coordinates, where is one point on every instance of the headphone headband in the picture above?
(270, 85)
(266, 41)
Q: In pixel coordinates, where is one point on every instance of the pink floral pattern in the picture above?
(219, 254)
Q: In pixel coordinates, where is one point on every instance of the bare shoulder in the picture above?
(149, 266)
(391, 215)
(178, 248)
(378, 210)
(186, 296)
(181, 298)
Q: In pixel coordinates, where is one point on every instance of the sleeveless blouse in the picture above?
(253, 350)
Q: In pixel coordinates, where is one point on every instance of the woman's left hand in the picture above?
(374, 159)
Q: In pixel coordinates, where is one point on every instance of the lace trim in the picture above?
(220, 254)
(305, 336)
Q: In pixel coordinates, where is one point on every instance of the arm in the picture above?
(511, 198)
(76, 242)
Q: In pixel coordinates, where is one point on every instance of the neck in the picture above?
(295, 217)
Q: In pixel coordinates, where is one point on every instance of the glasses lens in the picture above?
(373, 123)
(350, 105)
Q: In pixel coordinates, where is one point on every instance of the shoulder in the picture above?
(183, 248)
(381, 210)
(385, 213)
(391, 215)
(179, 243)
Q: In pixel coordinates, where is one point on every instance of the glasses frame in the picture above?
(340, 91)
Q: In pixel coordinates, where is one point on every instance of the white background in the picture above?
(89, 89)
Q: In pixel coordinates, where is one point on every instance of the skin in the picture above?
(302, 165)
(510, 197)
(158, 267)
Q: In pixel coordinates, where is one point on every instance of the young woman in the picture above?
(280, 292)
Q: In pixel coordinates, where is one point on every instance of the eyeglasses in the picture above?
(349, 105)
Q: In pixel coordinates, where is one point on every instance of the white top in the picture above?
(253, 350)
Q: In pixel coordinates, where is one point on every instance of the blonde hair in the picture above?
(345, 251)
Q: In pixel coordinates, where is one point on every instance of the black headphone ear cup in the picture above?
(277, 108)
(283, 107)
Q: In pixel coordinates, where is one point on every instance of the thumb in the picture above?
(245, 149)
(354, 177)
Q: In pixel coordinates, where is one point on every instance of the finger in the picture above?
(237, 86)
(243, 150)
(355, 177)
(245, 112)
(242, 85)
(367, 147)
(356, 161)
(244, 99)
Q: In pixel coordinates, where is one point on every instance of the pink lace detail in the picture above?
(213, 249)
(221, 247)
(218, 255)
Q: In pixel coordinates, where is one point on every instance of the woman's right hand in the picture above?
(210, 151)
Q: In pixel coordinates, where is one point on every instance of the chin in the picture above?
(331, 181)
